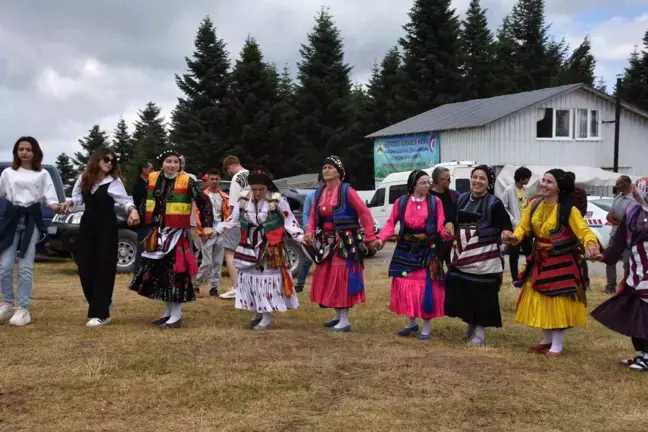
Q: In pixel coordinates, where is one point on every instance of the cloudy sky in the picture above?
(68, 64)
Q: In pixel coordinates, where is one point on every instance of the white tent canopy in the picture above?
(595, 181)
(302, 181)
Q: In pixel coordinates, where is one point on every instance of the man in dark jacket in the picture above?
(139, 199)
(580, 202)
(441, 189)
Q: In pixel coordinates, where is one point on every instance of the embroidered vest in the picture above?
(344, 216)
(431, 224)
(178, 204)
(486, 232)
(563, 239)
(273, 226)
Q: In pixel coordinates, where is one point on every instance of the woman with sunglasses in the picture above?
(99, 188)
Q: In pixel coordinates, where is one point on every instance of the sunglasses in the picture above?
(108, 160)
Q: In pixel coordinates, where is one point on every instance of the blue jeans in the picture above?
(304, 268)
(25, 271)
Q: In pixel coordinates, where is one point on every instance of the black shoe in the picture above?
(160, 321)
(213, 292)
(610, 290)
(174, 325)
(299, 288)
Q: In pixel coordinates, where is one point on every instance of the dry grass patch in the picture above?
(214, 375)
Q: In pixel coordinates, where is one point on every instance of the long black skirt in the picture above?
(157, 280)
(473, 298)
(624, 313)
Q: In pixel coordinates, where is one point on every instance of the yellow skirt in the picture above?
(541, 311)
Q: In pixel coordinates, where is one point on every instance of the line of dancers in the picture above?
(447, 259)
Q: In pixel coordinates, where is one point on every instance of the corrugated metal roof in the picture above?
(472, 113)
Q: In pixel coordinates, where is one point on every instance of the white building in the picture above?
(567, 125)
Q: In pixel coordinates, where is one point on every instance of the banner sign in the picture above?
(405, 153)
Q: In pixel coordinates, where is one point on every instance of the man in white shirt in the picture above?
(212, 249)
(232, 237)
(516, 200)
(615, 216)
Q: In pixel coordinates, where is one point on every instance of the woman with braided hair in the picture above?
(553, 294)
(168, 263)
(264, 284)
(417, 272)
(475, 276)
(338, 227)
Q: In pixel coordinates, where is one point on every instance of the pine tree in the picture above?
(530, 33)
(359, 152)
(431, 56)
(249, 104)
(323, 95)
(634, 85)
(284, 116)
(199, 122)
(149, 139)
(95, 139)
(478, 54)
(580, 66)
(384, 105)
(505, 67)
(67, 172)
(601, 85)
(555, 63)
(122, 143)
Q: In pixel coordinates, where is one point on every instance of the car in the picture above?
(43, 246)
(596, 218)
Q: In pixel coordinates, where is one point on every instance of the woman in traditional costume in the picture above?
(553, 293)
(417, 272)
(168, 263)
(627, 311)
(475, 276)
(264, 283)
(337, 244)
(98, 189)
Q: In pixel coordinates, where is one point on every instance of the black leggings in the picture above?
(640, 344)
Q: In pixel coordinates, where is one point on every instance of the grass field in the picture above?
(214, 375)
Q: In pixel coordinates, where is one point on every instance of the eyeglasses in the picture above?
(108, 160)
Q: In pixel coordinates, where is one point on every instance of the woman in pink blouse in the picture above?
(417, 289)
(338, 228)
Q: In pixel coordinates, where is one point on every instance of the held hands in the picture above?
(593, 252)
(449, 229)
(508, 237)
(375, 245)
(309, 237)
(133, 217)
(208, 233)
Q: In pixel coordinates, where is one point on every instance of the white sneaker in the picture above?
(229, 294)
(96, 322)
(6, 311)
(20, 318)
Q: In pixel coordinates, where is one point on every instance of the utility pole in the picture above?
(617, 123)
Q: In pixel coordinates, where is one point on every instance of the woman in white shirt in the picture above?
(99, 188)
(24, 186)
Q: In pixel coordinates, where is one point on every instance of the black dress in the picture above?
(159, 279)
(474, 297)
(97, 251)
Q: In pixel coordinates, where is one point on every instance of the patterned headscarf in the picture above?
(168, 152)
(337, 163)
(414, 177)
(490, 175)
(640, 193)
(262, 177)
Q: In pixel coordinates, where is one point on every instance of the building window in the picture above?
(554, 123)
(588, 124)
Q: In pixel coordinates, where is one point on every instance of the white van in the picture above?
(395, 186)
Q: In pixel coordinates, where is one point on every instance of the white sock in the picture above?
(411, 322)
(546, 340)
(427, 327)
(557, 337)
(176, 312)
(337, 314)
(344, 319)
(167, 309)
(266, 319)
(479, 334)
